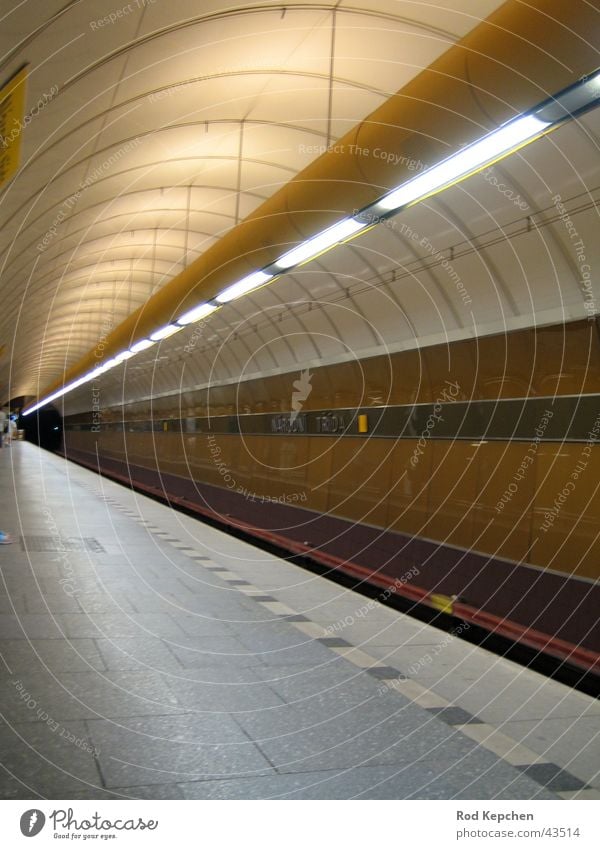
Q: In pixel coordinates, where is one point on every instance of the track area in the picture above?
(573, 664)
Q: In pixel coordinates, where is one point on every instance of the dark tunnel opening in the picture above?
(43, 428)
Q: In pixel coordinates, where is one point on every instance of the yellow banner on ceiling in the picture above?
(12, 108)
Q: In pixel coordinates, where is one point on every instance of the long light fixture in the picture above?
(142, 345)
(460, 165)
(195, 314)
(69, 387)
(165, 332)
(507, 139)
(311, 248)
(109, 364)
(246, 284)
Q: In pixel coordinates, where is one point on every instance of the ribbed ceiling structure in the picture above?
(491, 255)
(162, 125)
(166, 124)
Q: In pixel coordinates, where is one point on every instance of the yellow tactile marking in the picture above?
(357, 656)
(498, 743)
(417, 694)
(311, 629)
(231, 576)
(278, 607)
(590, 794)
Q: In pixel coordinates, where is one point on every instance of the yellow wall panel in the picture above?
(411, 379)
(451, 492)
(318, 471)
(568, 359)
(505, 364)
(361, 481)
(504, 499)
(566, 520)
(408, 493)
(451, 364)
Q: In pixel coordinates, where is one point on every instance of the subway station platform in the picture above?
(147, 655)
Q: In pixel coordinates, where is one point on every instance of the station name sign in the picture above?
(285, 423)
(303, 423)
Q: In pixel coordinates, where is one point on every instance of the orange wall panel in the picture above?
(504, 500)
(452, 491)
(566, 519)
(360, 482)
(408, 493)
(505, 364)
(568, 359)
(318, 471)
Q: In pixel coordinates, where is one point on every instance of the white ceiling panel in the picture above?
(233, 102)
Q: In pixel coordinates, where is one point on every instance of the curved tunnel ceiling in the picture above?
(170, 125)
(470, 262)
(164, 125)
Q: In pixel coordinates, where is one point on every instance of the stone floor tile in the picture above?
(60, 655)
(47, 759)
(166, 750)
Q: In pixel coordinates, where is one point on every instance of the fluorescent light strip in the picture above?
(96, 372)
(110, 364)
(142, 345)
(246, 284)
(165, 332)
(321, 242)
(195, 314)
(467, 161)
(58, 394)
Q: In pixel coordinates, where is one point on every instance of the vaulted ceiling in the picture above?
(165, 124)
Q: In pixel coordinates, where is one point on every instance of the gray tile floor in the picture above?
(159, 663)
